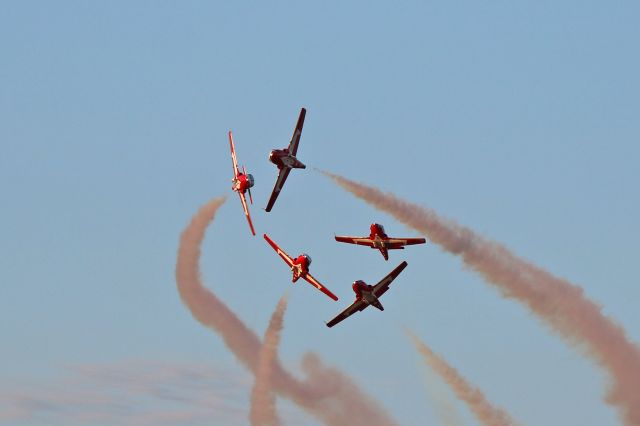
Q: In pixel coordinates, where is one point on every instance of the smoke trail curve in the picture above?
(477, 402)
(332, 398)
(562, 306)
(263, 401)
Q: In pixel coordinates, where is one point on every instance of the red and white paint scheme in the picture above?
(241, 183)
(300, 268)
(286, 160)
(378, 239)
(368, 295)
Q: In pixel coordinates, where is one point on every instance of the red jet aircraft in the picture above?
(241, 183)
(300, 268)
(368, 295)
(378, 239)
(286, 160)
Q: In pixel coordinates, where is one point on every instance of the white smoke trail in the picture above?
(332, 398)
(562, 306)
(263, 401)
(442, 401)
(481, 408)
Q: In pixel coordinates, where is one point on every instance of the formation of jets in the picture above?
(285, 159)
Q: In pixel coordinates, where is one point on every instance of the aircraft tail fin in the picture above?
(384, 252)
(378, 305)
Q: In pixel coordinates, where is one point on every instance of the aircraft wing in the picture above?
(311, 280)
(401, 242)
(297, 132)
(356, 306)
(243, 200)
(382, 286)
(361, 241)
(288, 260)
(282, 176)
(234, 160)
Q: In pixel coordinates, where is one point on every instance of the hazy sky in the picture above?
(518, 119)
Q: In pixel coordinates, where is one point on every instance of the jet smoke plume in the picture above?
(442, 402)
(332, 398)
(263, 400)
(559, 304)
(481, 408)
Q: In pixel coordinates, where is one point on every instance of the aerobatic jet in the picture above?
(378, 239)
(368, 295)
(286, 160)
(300, 268)
(241, 183)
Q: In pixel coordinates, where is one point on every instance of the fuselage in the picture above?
(242, 182)
(364, 292)
(377, 235)
(300, 266)
(282, 158)
(379, 238)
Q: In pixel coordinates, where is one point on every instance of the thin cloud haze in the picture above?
(130, 393)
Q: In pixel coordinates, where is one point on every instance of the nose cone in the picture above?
(357, 285)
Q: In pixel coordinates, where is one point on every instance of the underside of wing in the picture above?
(311, 280)
(234, 160)
(288, 260)
(361, 241)
(399, 242)
(382, 286)
(243, 200)
(356, 306)
(282, 177)
(297, 132)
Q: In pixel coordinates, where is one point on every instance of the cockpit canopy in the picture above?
(250, 180)
(308, 258)
(376, 225)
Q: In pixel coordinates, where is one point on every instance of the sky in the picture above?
(517, 119)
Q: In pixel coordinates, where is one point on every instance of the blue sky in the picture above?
(518, 119)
